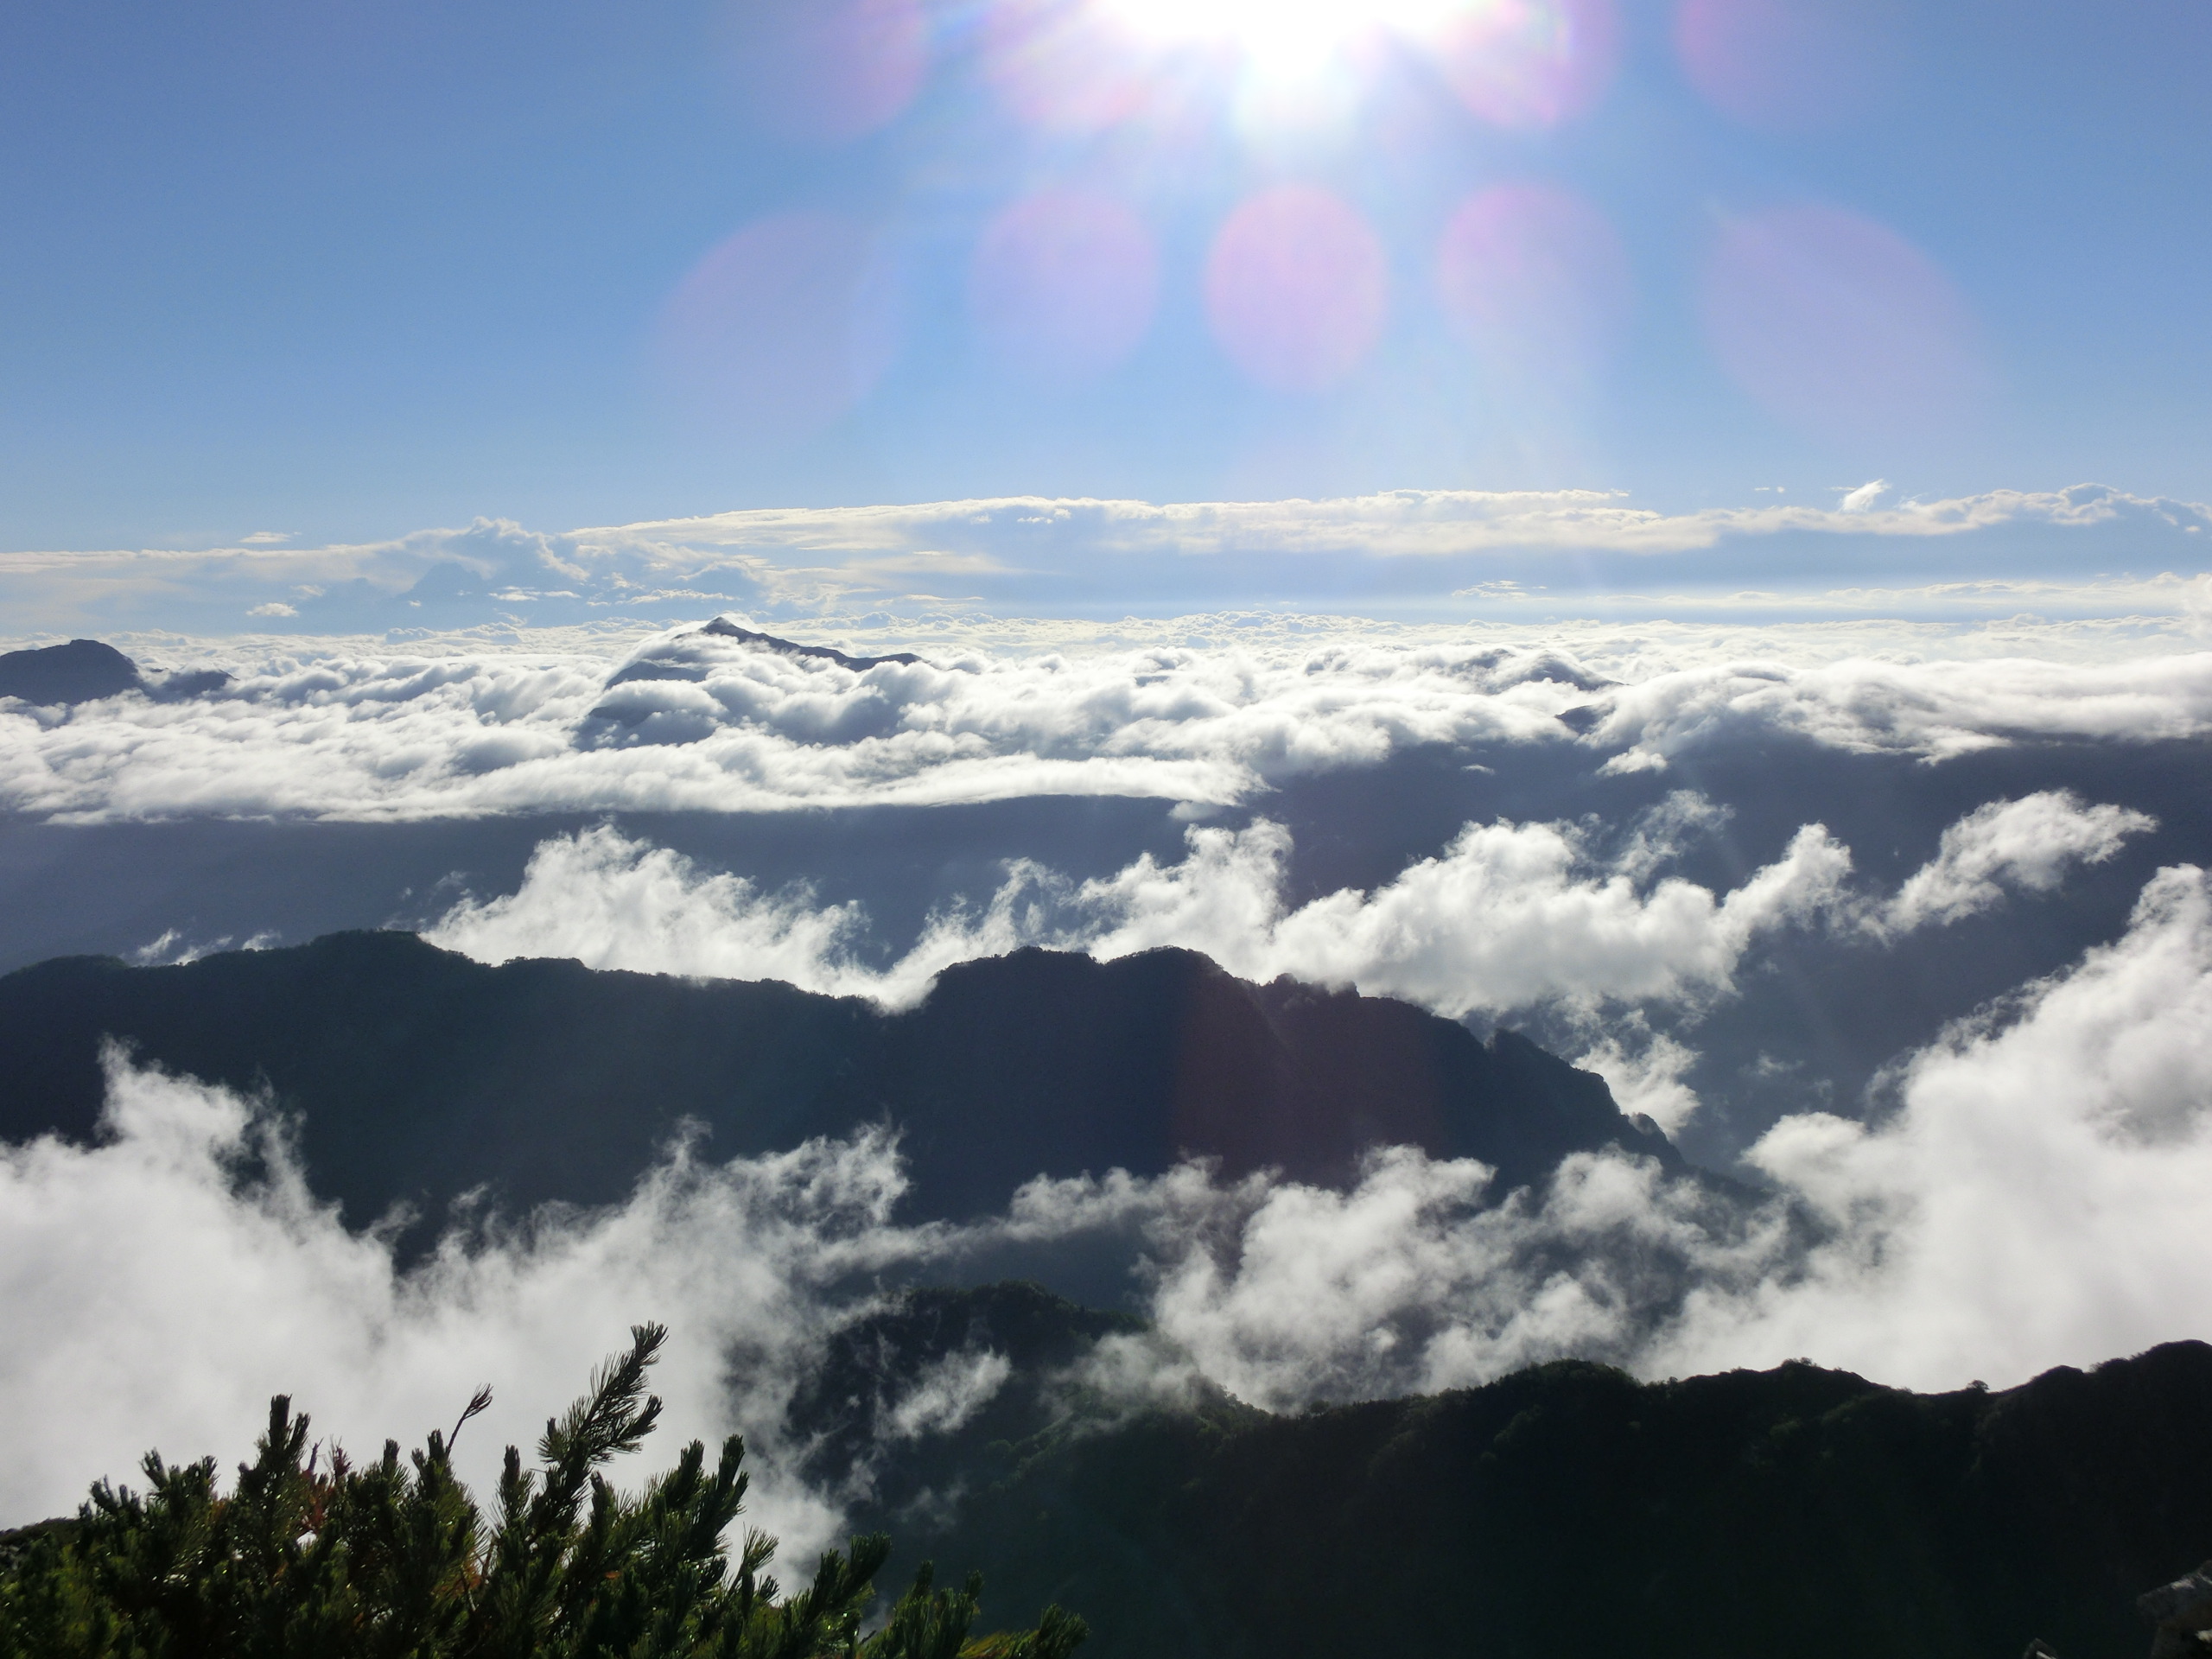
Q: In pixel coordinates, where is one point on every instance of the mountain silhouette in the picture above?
(652, 668)
(83, 670)
(1565, 1510)
(729, 630)
(418, 1075)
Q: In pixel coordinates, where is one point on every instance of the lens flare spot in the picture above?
(828, 71)
(1788, 66)
(1839, 325)
(1528, 65)
(782, 327)
(1066, 66)
(1064, 283)
(1297, 288)
(1536, 281)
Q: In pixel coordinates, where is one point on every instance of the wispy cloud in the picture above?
(1406, 549)
(1397, 523)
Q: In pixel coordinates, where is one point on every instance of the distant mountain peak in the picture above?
(723, 628)
(85, 670)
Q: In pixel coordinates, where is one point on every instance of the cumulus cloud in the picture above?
(1507, 917)
(2040, 1194)
(1646, 1071)
(947, 1394)
(179, 1272)
(172, 946)
(2028, 843)
(609, 901)
(1284, 1295)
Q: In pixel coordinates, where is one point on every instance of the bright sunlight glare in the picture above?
(1280, 33)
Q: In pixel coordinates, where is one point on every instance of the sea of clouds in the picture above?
(2029, 1188)
(695, 721)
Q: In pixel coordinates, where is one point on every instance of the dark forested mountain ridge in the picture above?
(418, 1074)
(1563, 1512)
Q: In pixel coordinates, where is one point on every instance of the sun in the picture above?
(1281, 35)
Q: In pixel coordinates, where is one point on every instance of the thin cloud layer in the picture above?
(692, 721)
(1396, 524)
(1409, 550)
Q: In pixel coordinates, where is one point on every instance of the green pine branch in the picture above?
(309, 1557)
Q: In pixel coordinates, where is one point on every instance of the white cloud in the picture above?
(173, 1291)
(1936, 709)
(707, 723)
(609, 902)
(1285, 1294)
(2028, 843)
(1392, 523)
(1506, 917)
(1000, 553)
(739, 728)
(1645, 1071)
(179, 1272)
(172, 946)
(2041, 1195)
(947, 1394)
(273, 607)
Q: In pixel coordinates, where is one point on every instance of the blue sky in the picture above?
(347, 270)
